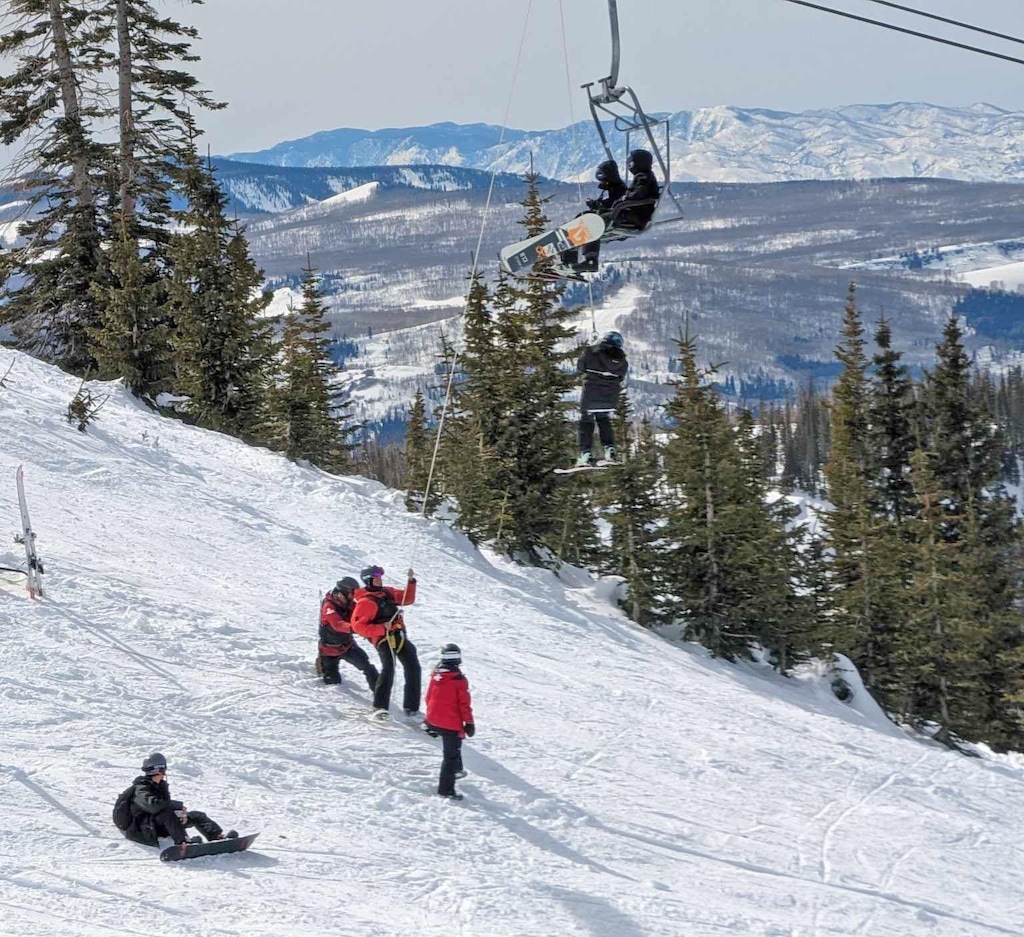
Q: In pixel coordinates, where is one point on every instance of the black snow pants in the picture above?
(406, 655)
(355, 656)
(604, 429)
(167, 823)
(451, 760)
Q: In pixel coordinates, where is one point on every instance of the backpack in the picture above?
(122, 813)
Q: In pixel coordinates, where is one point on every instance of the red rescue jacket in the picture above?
(449, 705)
(335, 630)
(376, 607)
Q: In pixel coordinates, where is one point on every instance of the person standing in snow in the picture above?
(450, 715)
(145, 811)
(337, 642)
(604, 368)
(377, 616)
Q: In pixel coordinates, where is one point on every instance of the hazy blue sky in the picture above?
(290, 67)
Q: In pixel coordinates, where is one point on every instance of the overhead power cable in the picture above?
(909, 32)
(943, 19)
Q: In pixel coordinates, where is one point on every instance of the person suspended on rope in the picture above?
(612, 190)
(377, 617)
(337, 642)
(145, 811)
(603, 366)
(632, 211)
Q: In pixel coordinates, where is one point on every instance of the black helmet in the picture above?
(608, 171)
(369, 573)
(451, 655)
(612, 338)
(347, 585)
(640, 161)
(154, 764)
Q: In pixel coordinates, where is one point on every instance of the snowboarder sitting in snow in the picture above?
(612, 190)
(450, 715)
(145, 811)
(378, 617)
(337, 642)
(604, 368)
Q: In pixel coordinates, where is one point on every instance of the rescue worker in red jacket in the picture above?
(450, 715)
(337, 642)
(378, 617)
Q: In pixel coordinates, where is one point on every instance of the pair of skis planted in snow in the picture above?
(34, 565)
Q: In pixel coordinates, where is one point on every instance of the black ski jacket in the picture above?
(644, 187)
(611, 192)
(149, 800)
(604, 368)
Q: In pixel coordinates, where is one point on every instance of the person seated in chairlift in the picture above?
(631, 210)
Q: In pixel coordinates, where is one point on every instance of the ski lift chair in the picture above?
(621, 104)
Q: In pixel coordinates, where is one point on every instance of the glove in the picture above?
(469, 729)
(591, 203)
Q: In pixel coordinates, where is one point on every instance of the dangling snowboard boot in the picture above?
(609, 457)
(583, 460)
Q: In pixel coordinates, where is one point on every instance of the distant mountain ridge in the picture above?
(980, 143)
(258, 189)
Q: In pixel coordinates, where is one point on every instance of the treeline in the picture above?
(911, 569)
(127, 265)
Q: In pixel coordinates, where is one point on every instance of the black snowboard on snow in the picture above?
(218, 846)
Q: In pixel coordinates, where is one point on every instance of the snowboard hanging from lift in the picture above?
(35, 567)
(519, 258)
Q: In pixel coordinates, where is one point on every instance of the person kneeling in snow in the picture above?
(450, 715)
(145, 811)
(337, 641)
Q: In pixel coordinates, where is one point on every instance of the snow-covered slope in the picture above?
(619, 785)
(714, 144)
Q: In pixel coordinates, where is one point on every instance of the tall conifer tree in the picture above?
(312, 414)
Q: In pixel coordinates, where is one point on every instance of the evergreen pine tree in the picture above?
(966, 460)
(419, 447)
(222, 344)
(132, 342)
(730, 565)
(891, 437)
(635, 514)
(867, 583)
(49, 278)
(313, 415)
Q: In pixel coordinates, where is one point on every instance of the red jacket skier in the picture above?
(377, 616)
(450, 715)
(337, 642)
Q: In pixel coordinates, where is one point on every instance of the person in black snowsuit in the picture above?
(612, 189)
(604, 368)
(152, 812)
(633, 209)
(337, 640)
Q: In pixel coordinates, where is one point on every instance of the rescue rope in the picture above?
(572, 130)
(472, 275)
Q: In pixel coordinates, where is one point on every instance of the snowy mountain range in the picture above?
(621, 783)
(718, 144)
(259, 189)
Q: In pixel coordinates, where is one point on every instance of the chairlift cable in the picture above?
(951, 22)
(572, 130)
(908, 32)
(473, 273)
